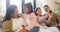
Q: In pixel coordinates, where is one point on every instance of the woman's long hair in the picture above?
(10, 10)
(29, 6)
(36, 10)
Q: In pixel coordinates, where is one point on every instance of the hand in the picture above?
(59, 24)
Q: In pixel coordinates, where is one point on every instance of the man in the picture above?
(55, 20)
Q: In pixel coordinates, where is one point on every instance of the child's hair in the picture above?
(37, 10)
(23, 26)
(29, 6)
(50, 11)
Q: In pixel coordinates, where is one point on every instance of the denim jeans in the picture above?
(58, 27)
(34, 29)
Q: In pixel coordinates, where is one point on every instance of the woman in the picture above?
(30, 20)
(42, 20)
(12, 21)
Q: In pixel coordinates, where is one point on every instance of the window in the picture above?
(18, 3)
(2, 7)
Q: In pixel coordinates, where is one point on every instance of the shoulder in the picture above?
(33, 14)
(7, 26)
(20, 15)
(56, 15)
(7, 22)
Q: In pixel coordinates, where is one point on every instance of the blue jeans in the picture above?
(34, 29)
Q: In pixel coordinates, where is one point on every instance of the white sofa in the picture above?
(1, 20)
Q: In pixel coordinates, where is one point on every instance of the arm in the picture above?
(49, 18)
(48, 21)
(34, 22)
(58, 19)
(6, 27)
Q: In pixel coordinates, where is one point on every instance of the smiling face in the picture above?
(46, 8)
(15, 13)
(26, 10)
(38, 12)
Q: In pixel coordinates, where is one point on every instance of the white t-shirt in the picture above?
(17, 23)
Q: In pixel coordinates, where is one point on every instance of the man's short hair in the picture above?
(45, 5)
